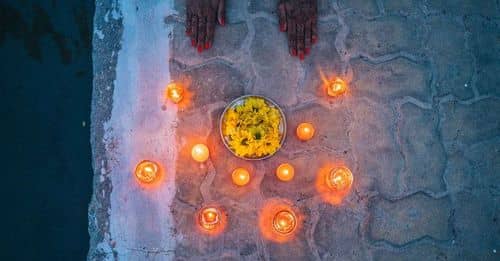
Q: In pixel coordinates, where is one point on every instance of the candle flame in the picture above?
(334, 183)
(278, 221)
(211, 220)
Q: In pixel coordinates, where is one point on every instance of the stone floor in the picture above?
(419, 128)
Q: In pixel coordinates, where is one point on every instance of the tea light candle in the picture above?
(147, 171)
(175, 92)
(284, 222)
(305, 131)
(339, 179)
(336, 87)
(285, 172)
(200, 152)
(240, 176)
(209, 218)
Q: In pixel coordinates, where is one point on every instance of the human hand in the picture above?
(299, 19)
(201, 17)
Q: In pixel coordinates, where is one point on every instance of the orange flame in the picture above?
(333, 183)
(211, 220)
(177, 93)
(148, 173)
(278, 221)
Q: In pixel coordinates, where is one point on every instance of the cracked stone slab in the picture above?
(402, 7)
(488, 8)
(379, 160)
(417, 252)
(449, 50)
(425, 158)
(484, 35)
(474, 212)
(468, 124)
(324, 63)
(331, 128)
(229, 82)
(411, 218)
(392, 79)
(370, 36)
(277, 74)
(484, 159)
(366, 8)
(338, 236)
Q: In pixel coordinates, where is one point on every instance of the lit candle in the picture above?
(200, 152)
(147, 171)
(336, 87)
(209, 218)
(240, 176)
(285, 172)
(284, 222)
(305, 131)
(175, 92)
(339, 179)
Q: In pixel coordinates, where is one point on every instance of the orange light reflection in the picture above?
(179, 95)
(278, 215)
(327, 193)
(211, 220)
(329, 81)
(149, 174)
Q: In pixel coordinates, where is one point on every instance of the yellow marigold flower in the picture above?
(252, 128)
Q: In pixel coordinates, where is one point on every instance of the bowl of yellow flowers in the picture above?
(253, 127)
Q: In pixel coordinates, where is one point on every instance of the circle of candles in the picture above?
(200, 152)
(285, 172)
(147, 171)
(305, 131)
(336, 87)
(339, 178)
(240, 176)
(175, 92)
(284, 222)
(209, 218)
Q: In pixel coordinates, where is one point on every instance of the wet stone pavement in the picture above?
(419, 128)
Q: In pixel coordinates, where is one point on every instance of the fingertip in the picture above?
(222, 21)
(207, 45)
(294, 52)
(200, 48)
(314, 39)
(307, 51)
(283, 27)
(193, 42)
(301, 56)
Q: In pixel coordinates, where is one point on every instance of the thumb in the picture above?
(221, 16)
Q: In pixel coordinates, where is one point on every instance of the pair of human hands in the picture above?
(296, 17)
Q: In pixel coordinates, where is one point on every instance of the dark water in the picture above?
(46, 86)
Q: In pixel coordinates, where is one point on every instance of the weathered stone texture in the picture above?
(383, 36)
(424, 156)
(410, 219)
(390, 80)
(468, 124)
(448, 47)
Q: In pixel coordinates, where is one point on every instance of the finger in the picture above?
(221, 13)
(300, 40)
(307, 38)
(314, 30)
(282, 16)
(292, 38)
(210, 29)
(202, 29)
(194, 29)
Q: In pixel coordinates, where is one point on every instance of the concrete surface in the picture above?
(419, 128)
